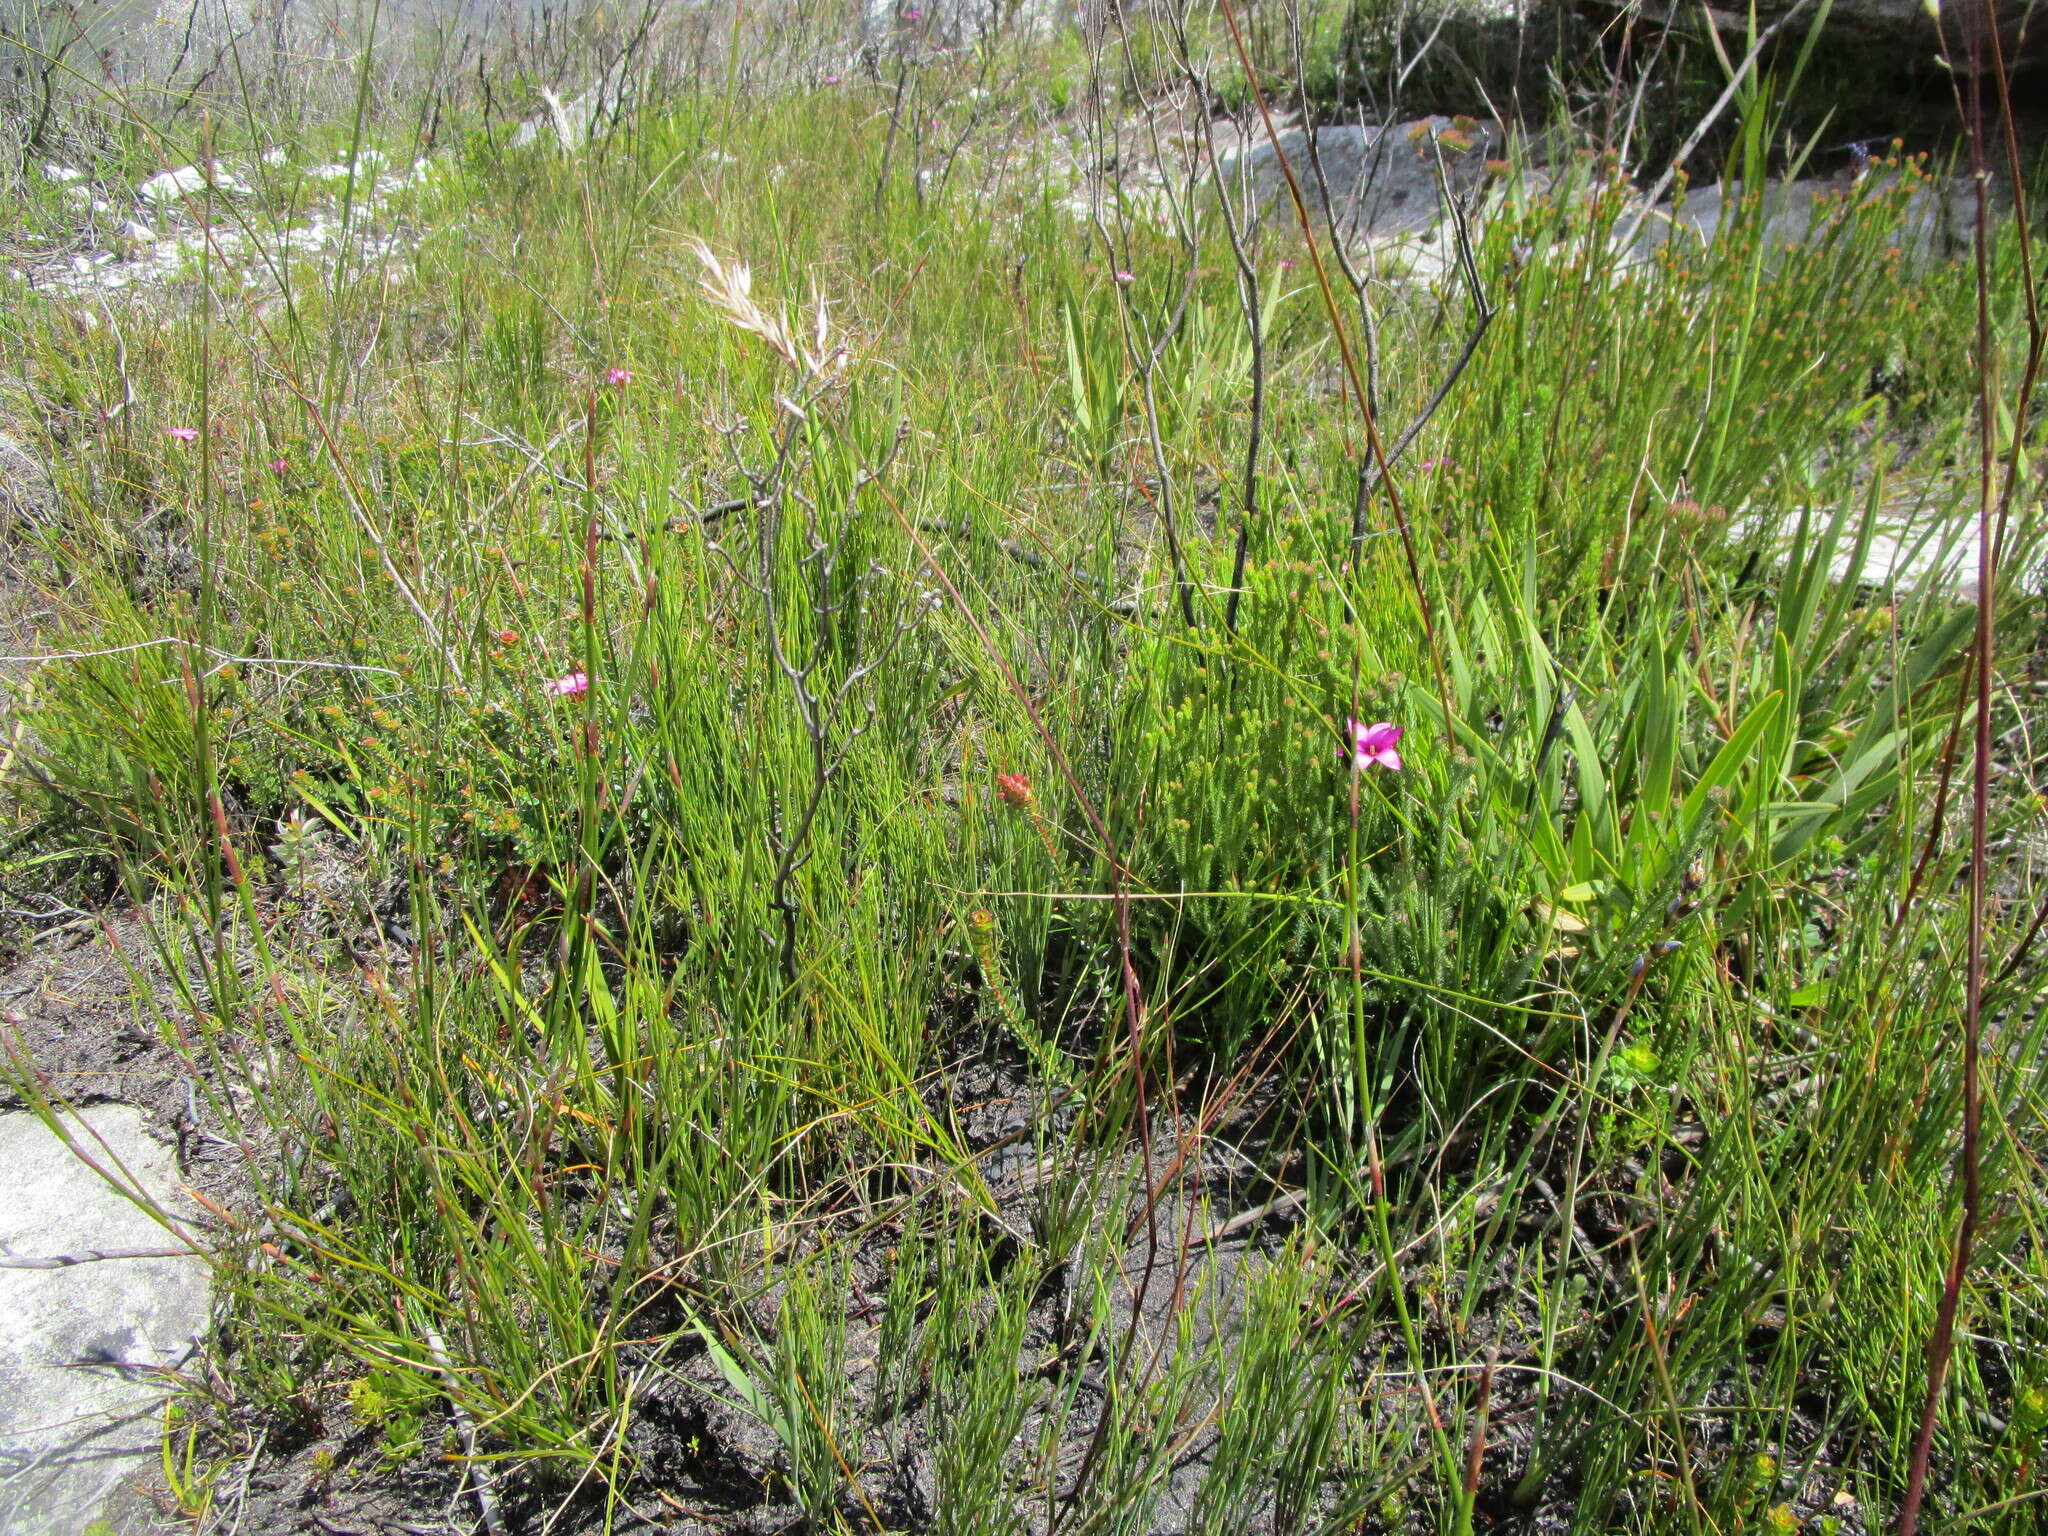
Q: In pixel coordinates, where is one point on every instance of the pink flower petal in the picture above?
(1373, 745)
(570, 685)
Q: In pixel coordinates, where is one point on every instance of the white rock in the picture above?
(61, 174)
(1910, 551)
(133, 238)
(74, 1436)
(169, 186)
(276, 155)
(571, 122)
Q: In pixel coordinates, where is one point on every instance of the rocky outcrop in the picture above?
(1893, 25)
(1914, 23)
(1383, 181)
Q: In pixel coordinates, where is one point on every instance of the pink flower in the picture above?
(618, 378)
(913, 14)
(1374, 744)
(1124, 277)
(279, 466)
(184, 434)
(831, 79)
(570, 685)
(1286, 266)
(1015, 788)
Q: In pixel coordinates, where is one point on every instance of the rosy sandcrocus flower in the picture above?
(183, 434)
(1124, 277)
(831, 79)
(1374, 745)
(279, 466)
(570, 685)
(618, 378)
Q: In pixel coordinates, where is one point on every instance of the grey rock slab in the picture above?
(84, 1349)
(1934, 220)
(1384, 181)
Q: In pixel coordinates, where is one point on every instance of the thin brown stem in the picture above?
(1372, 430)
(1941, 1346)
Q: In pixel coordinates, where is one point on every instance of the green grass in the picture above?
(1598, 1051)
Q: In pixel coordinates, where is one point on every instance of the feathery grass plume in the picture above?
(729, 285)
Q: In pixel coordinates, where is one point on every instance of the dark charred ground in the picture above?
(75, 998)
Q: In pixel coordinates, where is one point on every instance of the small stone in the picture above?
(52, 171)
(133, 239)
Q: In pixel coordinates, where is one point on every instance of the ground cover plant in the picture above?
(831, 849)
